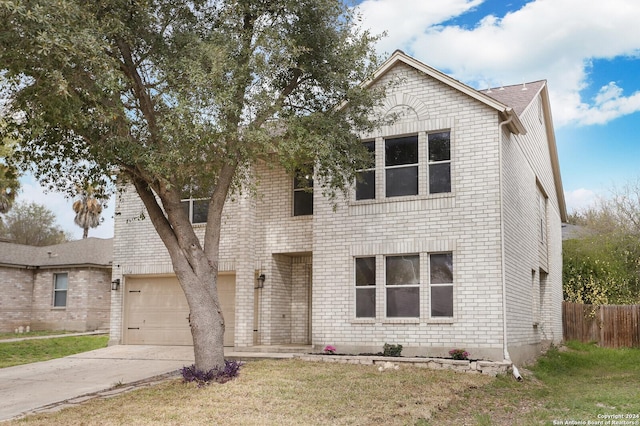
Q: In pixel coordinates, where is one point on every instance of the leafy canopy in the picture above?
(603, 267)
(32, 224)
(170, 91)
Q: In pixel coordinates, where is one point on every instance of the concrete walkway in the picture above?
(55, 384)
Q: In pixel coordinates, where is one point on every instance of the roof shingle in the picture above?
(88, 251)
(518, 96)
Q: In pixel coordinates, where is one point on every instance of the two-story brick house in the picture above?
(450, 239)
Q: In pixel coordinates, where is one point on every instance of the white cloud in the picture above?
(555, 40)
(32, 191)
(580, 199)
(403, 22)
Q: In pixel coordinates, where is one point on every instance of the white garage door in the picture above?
(156, 311)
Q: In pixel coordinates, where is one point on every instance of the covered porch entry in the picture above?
(283, 303)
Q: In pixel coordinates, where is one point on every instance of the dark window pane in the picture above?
(365, 302)
(441, 268)
(403, 302)
(439, 147)
(401, 151)
(60, 298)
(439, 178)
(61, 281)
(442, 301)
(366, 185)
(302, 203)
(200, 210)
(365, 271)
(302, 182)
(185, 206)
(403, 270)
(371, 148)
(402, 181)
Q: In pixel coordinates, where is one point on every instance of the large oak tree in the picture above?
(183, 97)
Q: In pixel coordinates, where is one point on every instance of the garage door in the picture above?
(156, 311)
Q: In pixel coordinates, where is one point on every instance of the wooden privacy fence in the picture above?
(611, 326)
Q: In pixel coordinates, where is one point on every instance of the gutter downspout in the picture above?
(507, 358)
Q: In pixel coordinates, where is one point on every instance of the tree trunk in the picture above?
(205, 318)
(85, 232)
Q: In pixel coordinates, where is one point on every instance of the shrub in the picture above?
(391, 350)
(459, 354)
(230, 370)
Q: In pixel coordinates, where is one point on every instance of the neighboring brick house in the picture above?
(61, 287)
(451, 239)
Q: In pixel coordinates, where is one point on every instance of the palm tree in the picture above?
(88, 210)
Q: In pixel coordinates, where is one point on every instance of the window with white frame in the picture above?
(302, 194)
(441, 284)
(60, 287)
(196, 209)
(401, 166)
(366, 178)
(439, 145)
(366, 287)
(403, 286)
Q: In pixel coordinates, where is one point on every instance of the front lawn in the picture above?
(575, 385)
(28, 351)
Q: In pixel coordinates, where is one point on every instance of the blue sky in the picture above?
(587, 50)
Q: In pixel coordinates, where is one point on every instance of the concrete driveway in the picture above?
(29, 388)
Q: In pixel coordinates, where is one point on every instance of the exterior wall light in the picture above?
(115, 284)
(261, 279)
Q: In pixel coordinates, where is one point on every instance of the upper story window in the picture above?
(196, 209)
(439, 162)
(413, 165)
(366, 182)
(401, 166)
(302, 195)
(60, 286)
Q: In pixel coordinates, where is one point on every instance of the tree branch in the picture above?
(128, 67)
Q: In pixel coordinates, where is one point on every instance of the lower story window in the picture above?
(441, 282)
(403, 286)
(60, 285)
(366, 287)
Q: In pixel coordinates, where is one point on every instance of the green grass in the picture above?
(5, 336)
(28, 351)
(578, 383)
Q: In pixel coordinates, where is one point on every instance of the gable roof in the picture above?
(95, 252)
(510, 102)
(506, 111)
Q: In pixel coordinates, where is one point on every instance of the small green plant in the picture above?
(459, 354)
(391, 350)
